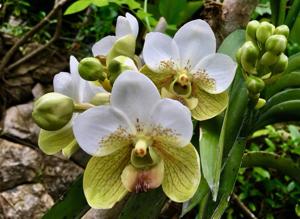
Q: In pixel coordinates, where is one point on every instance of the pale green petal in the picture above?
(102, 179)
(70, 149)
(209, 105)
(51, 142)
(161, 79)
(182, 171)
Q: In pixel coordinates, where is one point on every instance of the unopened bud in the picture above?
(118, 65)
(282, 30)
(269, 58)
(124, 46)
(255, 84)
(251, 30)
(91, 69)
(264, 31)
(249, 57)
(280, 65)
(238, 55)
(260, 103)
(276, 44)
(53, 111)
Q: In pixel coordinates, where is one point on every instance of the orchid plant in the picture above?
(147, 126)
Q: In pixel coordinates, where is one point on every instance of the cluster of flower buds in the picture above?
(262, 55)
(105, 68)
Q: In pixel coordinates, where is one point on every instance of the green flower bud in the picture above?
(238, 55)
(260, 103)
(268, 59)
(118, 65)
(276, 44)
(124, 46)
(249, 57)
(251, 30)
(280, 65)
(53, 111)
(264, 31)
(255, 84)
(91, 69)
(282, 30)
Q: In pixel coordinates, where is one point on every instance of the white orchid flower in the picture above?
(127, 25)
(187, 68)
(139, 142)
(81, 91)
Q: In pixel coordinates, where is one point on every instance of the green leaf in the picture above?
(200, 194)
(292, 14)
(270, 160)
(285, 111)
(51, 142)
(295, 134)
(170, 9)
(262, 172)
(275, 10)
(77, 6)
(210, 152)
(289, 80)
(294, 63)
(297, 210)
(100, 3)
(227, 180)
(189, 10)
(285, 95)
(232, 43)
(102, 179)
(72, 205)
(295, 31)
(146, 205)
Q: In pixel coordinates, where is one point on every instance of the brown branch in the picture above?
(28, 35)
(236, 14)
(38, 50)
(246, 212)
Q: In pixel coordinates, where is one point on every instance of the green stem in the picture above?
(274, 10)
(81, 107)
(292, 13)
(281, 14)
(270, 160)
(146, 18)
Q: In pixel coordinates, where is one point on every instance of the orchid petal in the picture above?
(218, 69)
(102, 179)
(182, 171)
(133, 24)
(102, 130)
(132, 177)
(195, 40)
(123, 27)
(160, 80)
(51, 142)
(62, 83)
(103, 46)
(171, 115)
(134, 94)
(160, 48)
(209, 105)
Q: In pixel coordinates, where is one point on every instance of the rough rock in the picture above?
(21, 164)
(18, 164)
(58, 175)
(18, 123)
(26, 201)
